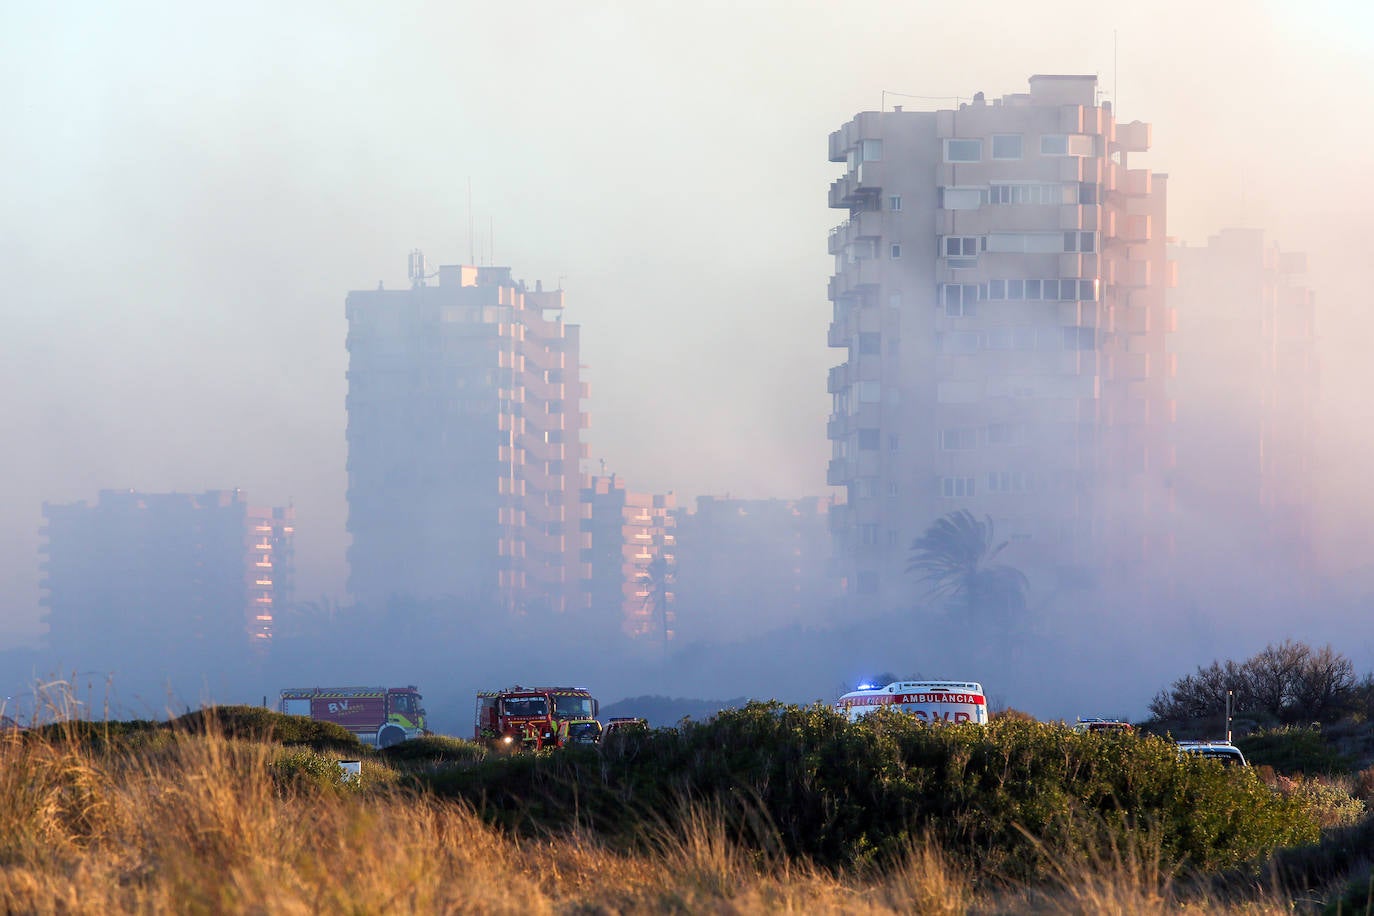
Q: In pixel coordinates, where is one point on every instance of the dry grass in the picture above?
(201, 825)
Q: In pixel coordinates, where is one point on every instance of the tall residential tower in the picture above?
(1247, 387)
(999, 297)
(464, 425)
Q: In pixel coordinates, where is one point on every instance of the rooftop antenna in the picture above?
(472, 258)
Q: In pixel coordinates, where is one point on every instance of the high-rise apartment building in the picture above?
(1247, 390)
(629, 558)
(750, 566)
(464, 424)
(157, 572)
(999, 295)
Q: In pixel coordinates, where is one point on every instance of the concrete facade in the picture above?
(165, 569)
(464, 441)
(629, 567)
(1247, 385)
(998, 292)
(750, 566)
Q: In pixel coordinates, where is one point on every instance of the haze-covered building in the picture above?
(157, 572)
(750, 566)
(629, 558)
(464, 424)
(1247, 392)
(999, 297)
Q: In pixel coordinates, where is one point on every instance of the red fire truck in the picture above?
(531, 718)
(380, 716)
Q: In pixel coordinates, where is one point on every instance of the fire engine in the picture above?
(929, 701)
(380, 716)
(531, 718)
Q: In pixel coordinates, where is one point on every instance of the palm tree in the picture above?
(955, 558)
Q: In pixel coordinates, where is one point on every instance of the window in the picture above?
(963, 150)
(1009, 482)
(892, 488)
(868, 535)
(1031, 194)
(958, 440)
(1087, 193)
(894, 202)
(872, 150)
(1079, 339)
(867, 487)
(866, 583)
(870, 392)
(1085, 242)
(870, 343)
(1025, 242)
(894, 442)
(956, 487)
(1006, 146)
(1006, 434)
(962, 246)
(963, 198)
(869, 440)
(1066, 145)
(959, 299)
(896, 252)
(894, 300)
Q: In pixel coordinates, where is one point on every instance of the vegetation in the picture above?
(762, 809)
(956, 558)
(1290, 682)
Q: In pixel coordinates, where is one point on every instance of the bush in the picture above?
(261, 724)
(1293, 750)
(847, 794)
(434, 749)
(302, 768)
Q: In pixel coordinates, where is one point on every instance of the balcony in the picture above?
(1136, 228)
(866, 179)
(838, 379)
(837, 427)
(1139, 182)
(1133, 137)
(837, 336)
(838, 151)
(837, 472)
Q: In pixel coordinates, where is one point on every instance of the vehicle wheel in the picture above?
(391, 735)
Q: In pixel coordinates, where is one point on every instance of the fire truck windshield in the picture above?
(572, 707)
(524, 706)
(405, 704)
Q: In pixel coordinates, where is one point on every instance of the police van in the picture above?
(930, 701)
(1224, 751)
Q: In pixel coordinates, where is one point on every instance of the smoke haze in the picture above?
(188, 196)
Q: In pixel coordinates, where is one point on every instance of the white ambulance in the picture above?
(929, 701)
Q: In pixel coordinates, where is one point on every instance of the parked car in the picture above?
(1224, 751)
(1098, 724)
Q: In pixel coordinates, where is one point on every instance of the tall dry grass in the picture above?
(207, 824)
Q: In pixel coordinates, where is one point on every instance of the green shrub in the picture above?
(259, 723)
(434, 749)
(846, 794)
(1293, 749)
(303, 768)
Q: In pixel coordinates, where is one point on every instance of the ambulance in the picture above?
(930, 701)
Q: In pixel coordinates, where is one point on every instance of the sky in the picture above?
(188, 193)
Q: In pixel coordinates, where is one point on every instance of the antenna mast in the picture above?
(472, 258)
